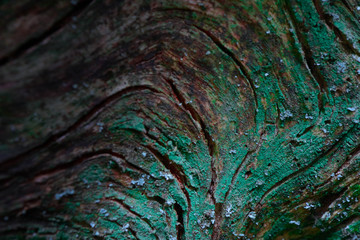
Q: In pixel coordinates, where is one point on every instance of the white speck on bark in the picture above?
(295, 222)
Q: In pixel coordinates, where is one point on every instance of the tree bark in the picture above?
(179, 119)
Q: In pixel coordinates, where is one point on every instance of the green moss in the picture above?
(129, 121)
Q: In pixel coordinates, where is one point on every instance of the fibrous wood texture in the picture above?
(179, 119)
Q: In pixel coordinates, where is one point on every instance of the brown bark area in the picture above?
(179, 119)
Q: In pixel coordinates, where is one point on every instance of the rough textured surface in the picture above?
(179, 119)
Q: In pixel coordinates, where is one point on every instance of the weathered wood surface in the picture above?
(179, 119)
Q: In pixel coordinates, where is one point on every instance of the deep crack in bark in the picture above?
(128, 208)
(180, 221)
(309, 60)
(347, 45)
(91, 113)
(296, 173)
(176, 171)
(210, 142)
(225, 50)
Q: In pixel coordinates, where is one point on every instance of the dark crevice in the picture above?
(128, 208)
(195, 115)
(90, 155)
(219, 210)
(176, 171)
(341, 226)
(80, 7)
(91, 113)
(158, 199)
(212, 187)
(277, 119)
(294, 143)
(347, 45)
(78, 160)
(347, 222)
(154, 138)
(298, 172)
(150, 136)
(309, 60)
(180, 222)
(281, 90)
(218, 220)
(219, 207)
(326, 201)
(233, 57)
(346, 4)
(349, 158)
(171, 165)
(305, 131)
(210, 142)
(115, 222)
(294, 50)
(237, 173)
(248, 174)
(164, 120)
(133, 233)
(320, 103)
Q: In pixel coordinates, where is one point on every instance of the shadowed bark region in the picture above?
(179, 119)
